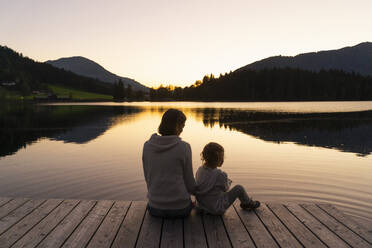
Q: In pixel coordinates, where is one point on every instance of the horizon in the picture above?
(177, 42)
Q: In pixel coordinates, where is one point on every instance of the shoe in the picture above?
(250, 206)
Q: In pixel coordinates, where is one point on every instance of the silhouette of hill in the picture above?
(29, 75)
(86, 67)
(349, 59)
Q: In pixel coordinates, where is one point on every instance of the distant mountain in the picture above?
(30, 75)
(86, 67)
(350, 59)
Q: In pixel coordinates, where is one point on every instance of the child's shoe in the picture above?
(250, 206)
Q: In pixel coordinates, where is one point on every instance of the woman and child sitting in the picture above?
(167, 165)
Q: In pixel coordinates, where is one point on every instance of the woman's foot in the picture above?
(250, 206)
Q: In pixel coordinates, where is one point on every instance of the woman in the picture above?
(167, 166)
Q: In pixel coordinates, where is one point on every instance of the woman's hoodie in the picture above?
(212, 186)
(167, 166)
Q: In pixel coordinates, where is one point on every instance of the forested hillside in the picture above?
(25, 75)
(277, 84)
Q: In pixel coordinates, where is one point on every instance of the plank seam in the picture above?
(139, 231)
(227, 233)
(6, 202)
(325, 225)
(241, 220)
(94, 233)
(23, 217)
(205, 232)
(161, 232)
(183, 232)
(16, 208)
(121, 223)
(285, 226)
(82, 220)
(306, 226)
(343, 224)
(37, 223)
(59, 222)
(263, 223)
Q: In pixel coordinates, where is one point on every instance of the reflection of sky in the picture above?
(109, 167)
(304, 107)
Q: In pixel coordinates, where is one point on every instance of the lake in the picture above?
(284, 151)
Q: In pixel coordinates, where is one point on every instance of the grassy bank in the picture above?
(62, 91)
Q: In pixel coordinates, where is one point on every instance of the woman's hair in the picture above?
(211, 154)
(170, 120)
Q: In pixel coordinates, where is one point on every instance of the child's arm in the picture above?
(224, 181)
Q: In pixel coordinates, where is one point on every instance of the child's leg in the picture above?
(238, 191)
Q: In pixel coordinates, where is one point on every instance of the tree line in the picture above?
(31, 75)
(276, 84)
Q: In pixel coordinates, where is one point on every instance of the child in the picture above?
(213, 184)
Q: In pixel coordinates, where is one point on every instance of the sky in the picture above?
(179, 41)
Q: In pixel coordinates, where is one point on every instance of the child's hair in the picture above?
(210, 154)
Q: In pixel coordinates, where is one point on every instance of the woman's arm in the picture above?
(188, 174)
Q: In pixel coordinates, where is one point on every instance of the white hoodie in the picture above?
(167, 166)
(212, 186)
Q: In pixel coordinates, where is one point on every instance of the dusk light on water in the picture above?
(185, 123)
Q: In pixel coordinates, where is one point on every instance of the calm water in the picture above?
(278, 151)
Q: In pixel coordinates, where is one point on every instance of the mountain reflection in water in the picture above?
(346, 132)
(23, 125)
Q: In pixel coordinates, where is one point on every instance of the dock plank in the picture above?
(261, 237)
(41, 230)
(150, 232)
(108, 229)
(91, 223)
(172, 233)
(215, 231)
(238, 235)
(194, 235)
(306, 237)
(67, 226)
(328, 237)
(18, 230)
(18, 214)
(129, 230)
(84, 232)
(343, 232)
(347, 221)
(281, 234)
(4, 200)
(11, 206)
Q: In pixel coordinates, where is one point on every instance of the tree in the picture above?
(119, 91)
(129, 92)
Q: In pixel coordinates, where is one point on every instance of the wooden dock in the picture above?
(106, 223)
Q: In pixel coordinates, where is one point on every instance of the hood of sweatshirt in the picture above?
(163, 143)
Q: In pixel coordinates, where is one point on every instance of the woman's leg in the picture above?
(170, 213)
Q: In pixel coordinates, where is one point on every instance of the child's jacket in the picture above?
(212, 185)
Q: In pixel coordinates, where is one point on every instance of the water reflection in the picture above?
(347, 132)
(94, 152)
(23, 125)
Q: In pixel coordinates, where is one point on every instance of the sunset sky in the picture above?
(177, 42)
